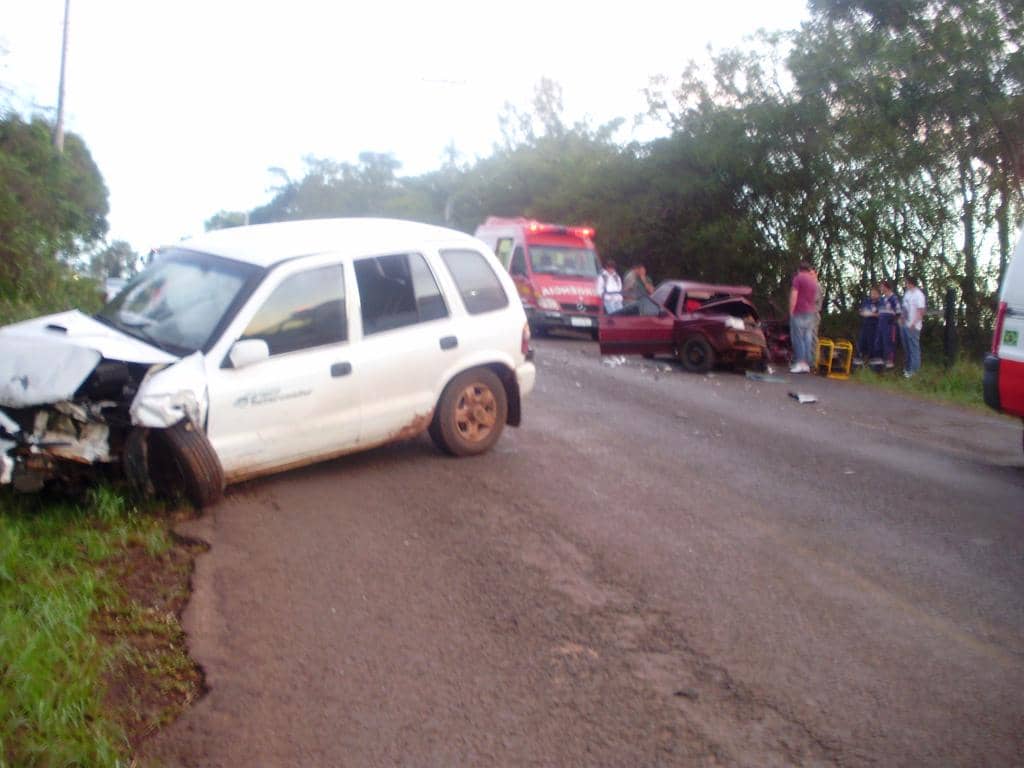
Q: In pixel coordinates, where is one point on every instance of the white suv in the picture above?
(252, 350)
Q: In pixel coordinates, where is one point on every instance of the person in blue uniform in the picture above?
(867, 341)
(888, 324)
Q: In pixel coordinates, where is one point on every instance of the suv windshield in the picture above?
(178, 302)
(563, 260)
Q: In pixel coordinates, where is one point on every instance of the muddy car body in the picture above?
(699, 323)
(248, 351)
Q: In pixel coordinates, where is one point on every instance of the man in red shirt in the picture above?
(803, 317)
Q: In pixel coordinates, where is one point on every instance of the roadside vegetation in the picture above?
(960, 383)
(92, 657)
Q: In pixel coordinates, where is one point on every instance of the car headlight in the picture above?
(546, 302)
(735, 323)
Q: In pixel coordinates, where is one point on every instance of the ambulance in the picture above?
(554, 267)
(1004, 368)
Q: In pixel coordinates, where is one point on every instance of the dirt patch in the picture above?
(152, 679)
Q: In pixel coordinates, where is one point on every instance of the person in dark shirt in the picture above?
(867, 342)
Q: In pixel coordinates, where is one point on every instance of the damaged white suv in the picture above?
(252, 350)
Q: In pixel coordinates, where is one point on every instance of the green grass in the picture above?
(57, 582)
(959, 384)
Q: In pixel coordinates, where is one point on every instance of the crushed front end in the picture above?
(72, 439)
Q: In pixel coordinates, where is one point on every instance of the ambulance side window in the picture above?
(503, 249)
(518, 265)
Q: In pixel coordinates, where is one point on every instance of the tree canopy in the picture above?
(53, 208)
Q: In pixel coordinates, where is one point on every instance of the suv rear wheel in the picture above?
(471, 413)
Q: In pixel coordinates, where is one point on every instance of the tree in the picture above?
(115, 260)
(226, 219)
(53, 207)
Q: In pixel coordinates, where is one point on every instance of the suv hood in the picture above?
(46, 359)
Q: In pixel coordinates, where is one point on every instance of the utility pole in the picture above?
(58, 128)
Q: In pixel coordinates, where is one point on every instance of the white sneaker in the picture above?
(800, 368)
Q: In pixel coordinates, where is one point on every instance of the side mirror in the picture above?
(248, 352)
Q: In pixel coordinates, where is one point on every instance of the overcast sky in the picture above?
(186, 104)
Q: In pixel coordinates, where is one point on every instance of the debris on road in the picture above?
(803, 397)
(613, 361)
(688, 693)
(756, 376)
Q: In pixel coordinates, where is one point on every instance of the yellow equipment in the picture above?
(835, 358)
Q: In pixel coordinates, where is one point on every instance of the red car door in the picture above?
(641, 327)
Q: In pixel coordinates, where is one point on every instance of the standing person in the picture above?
(888, 317)
(914, 305)
(609, 288)
(867, 342)
(636, 285)
(803, 317)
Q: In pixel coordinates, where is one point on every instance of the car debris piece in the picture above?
(755, 376)
(803, 397)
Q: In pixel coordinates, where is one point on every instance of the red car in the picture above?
(700, 323)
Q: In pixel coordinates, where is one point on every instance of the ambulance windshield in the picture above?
(563, 261)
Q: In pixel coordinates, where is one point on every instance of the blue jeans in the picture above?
(911, 348)
(802, 329)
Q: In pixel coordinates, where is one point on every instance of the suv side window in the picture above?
(306, 310)
(480, 288)
(503, 249)
(396, 291)
(518, 265)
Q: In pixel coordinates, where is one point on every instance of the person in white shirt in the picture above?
(911, 321)
(609, 288)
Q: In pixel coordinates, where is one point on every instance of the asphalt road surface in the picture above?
(658, 568)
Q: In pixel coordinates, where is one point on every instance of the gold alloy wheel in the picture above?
(476, 412)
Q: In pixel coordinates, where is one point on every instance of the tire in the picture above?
(182, 461)
(471, 413)
(538, 331)
(696, 355)
(595, 334)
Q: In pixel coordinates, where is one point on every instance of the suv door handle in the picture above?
(449, 342)
(341, 369)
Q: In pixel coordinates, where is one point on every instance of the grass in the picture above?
(959, 384)
(80, 649)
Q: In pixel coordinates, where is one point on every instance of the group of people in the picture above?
(614, 290)
(882, 313)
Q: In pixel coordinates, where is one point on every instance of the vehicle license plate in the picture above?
(580, 322)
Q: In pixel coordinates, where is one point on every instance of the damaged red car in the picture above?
(701, 324)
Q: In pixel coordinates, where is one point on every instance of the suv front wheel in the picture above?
(471, 413)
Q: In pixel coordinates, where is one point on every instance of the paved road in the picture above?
(657, 569)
